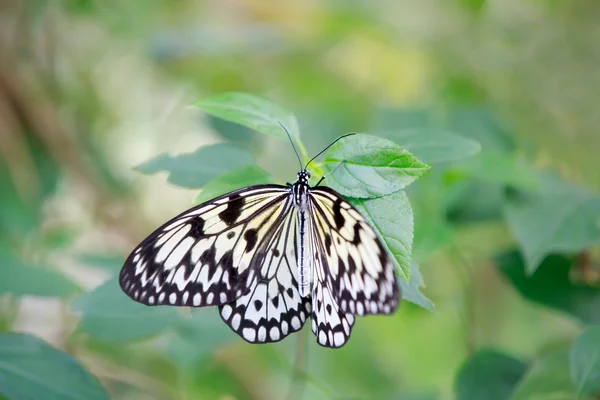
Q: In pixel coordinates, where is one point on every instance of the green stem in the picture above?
(468, 312)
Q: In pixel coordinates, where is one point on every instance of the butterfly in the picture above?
(270, 257)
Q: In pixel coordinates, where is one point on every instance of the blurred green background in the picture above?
(506, 240)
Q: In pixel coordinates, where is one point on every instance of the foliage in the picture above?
(35, 370)
(477, 168)
(489, 375)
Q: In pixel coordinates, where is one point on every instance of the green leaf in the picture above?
(500, 168)
(474, 200)
(22, 279)
(21, 199)
(558, 218)
(236, 134)
(198, 336)
(411, 290)
(479, 185)
(372, 166)
(432, 232)
(252, 111)
(392, 218)
(550, 286)
(434, 146)
(194, 170)
(488, 375)
(585, 361)
(32, 369)
(471, 123)
(548, 379)
(479, 124)
(232, 180)
(109, 315)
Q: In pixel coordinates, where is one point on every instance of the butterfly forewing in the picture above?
(206, 255)
(358, 271)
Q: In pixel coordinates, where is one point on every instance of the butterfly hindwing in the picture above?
(273, 308)
(330, 324)
(206, 255)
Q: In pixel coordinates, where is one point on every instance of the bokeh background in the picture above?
(91, 89)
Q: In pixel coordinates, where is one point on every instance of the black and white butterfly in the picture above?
(270, 256)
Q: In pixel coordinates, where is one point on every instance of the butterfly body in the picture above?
(300, 191)
(271, 257)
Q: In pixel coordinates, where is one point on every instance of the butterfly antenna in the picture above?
(292, 142)
(329, 173)
(323, 151)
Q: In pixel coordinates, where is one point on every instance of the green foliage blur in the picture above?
(106, 132)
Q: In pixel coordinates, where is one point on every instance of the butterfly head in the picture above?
(303, 177)
(300, 190)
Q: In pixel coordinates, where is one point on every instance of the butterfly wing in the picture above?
(207, 255)
(239, 251)
(273, 307)
(330, 324)
(354, 274)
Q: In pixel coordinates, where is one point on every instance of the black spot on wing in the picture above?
(338, 218)
(230, 235)
(233, 273)
(251, 237)
(152, 267)
(383, 256)
(233, 209)
(212, 268)
(356, 238)
(328, 243)
(197, 230)
(351, 265)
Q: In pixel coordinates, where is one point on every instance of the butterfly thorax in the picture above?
(300, 190)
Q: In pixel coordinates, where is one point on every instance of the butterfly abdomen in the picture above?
(300, 193)
(304, 265)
